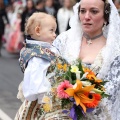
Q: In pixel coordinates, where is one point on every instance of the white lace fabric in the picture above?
(107, 62)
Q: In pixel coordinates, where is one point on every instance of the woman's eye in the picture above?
(94, 11)
(82, 11)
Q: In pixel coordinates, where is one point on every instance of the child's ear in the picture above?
(37, 30)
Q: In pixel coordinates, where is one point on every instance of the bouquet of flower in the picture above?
(80, 88)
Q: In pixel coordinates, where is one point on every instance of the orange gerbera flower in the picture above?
(78, 94)
(96, 98)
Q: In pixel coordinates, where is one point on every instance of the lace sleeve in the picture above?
(60, 42)
(114, 72)
(113, 88)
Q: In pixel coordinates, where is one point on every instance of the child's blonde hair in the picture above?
(35, 20)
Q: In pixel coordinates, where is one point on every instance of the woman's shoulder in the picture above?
(61, 38)
(64, 35)
(62, 41)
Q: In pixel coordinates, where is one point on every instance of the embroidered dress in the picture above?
(49, 107)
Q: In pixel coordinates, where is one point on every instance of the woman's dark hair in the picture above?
(106, 11)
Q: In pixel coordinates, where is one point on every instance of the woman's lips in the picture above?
(87, 24)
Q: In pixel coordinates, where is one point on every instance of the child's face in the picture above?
(47, 32)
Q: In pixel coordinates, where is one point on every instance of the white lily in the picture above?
(84, 75)
(78, 75)
(97, 91)
(86, 83)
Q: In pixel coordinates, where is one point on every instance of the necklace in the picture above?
(89, 39)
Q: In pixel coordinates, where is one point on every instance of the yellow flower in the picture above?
(46, 99)
(47, 107)
(33, 53)
(78, 93)
(74, 69)
(59, 66)
(65, 67)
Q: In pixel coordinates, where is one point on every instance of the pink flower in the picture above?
(63, 86)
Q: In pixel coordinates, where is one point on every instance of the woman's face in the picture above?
(30, 4)
(49, 3)
(92, 16)
(67, 3)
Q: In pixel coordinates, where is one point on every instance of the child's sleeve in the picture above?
(35, 83)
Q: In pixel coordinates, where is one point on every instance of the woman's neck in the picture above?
(93, 34)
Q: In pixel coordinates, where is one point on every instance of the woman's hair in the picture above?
(35, 20)
(106, 11)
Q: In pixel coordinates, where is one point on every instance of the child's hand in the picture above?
(24, 44)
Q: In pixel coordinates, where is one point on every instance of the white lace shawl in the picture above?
(69, 42)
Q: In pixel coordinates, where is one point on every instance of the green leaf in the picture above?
(104, 82)
(79, 113)
(65, 102)
(104, 95)
(80, 68)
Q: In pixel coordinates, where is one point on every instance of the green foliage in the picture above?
(104, 95)
(70, 76)
(79, 113)
(80, 68)
(104, 82)
(65, 102)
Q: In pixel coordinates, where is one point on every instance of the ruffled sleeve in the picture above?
(35, 83)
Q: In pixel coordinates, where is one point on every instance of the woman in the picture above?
(94, 38)
(3, 18)
(49, 7)
(29, 10)
(64, 14)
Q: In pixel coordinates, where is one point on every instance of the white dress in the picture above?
(109, 108)
(63, 17)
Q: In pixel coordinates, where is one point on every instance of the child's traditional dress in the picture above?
(14, 44)
(50, 107)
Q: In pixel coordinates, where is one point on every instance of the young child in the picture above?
(36, 58)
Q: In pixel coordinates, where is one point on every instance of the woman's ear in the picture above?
(37, 30)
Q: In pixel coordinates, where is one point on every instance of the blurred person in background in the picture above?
(49, 7)
(40, 6)
(57, 4)
(14, 44)
(3, 20)
(28, 11)
(64, 14)
(7, 2)
(117, 4)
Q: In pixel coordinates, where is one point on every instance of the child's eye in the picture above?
(51, 30)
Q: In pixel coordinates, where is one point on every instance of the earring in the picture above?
(104, 26)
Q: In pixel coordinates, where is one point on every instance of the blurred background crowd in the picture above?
(13, 14)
